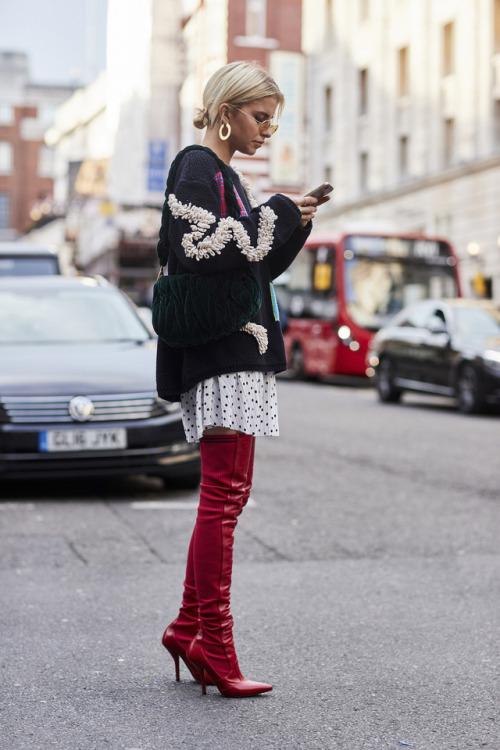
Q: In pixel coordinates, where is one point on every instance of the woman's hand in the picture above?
(307, 205)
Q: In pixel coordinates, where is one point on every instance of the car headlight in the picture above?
(491, 359)
(344, 334)
(492, 355)
(168, 407)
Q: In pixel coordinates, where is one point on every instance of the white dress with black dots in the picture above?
(243, 401)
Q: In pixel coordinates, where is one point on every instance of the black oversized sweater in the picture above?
(204, 240)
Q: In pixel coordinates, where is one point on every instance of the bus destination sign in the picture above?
(397, 247)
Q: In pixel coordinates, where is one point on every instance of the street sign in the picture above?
(157, 166)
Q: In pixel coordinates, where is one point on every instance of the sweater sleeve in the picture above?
(205, 241)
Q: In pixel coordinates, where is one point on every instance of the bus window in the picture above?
(300, 273)
(307, 288)
(324, 292)
(376, 289)
(293, 287)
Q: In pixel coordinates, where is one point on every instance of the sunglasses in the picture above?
(264, 125)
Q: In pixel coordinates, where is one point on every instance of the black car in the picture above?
(77, 386)
(445, 347)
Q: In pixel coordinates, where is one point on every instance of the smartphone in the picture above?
(321, 191)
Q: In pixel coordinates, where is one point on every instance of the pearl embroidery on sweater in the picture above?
(197, 246)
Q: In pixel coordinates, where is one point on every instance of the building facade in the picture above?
(270, 33)
(82, 148)
(144, 76)
(113, 141)
(404, 119)
(26, 164)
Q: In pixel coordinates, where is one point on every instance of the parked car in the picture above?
(77, 386)
(445, 347)
(24, 259)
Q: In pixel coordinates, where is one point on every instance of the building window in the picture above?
(496, 123)
(6, 157)
(4, 210)
(363, 172)
(256, 18)
(6, 114)
(449, 141)
(448, 49)
(403, 78)
(47, 114)
(364, 10)
(329, 13)
(363, 91)
(496, 26)
(328, 28)
(46, 162)
(328, 108)
(443, 225)
(403, 156)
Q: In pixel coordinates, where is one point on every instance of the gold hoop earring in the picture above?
(228, 133)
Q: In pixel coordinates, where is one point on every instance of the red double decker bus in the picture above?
(342, 288)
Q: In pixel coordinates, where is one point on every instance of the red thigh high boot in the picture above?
(225, 463)
(179, 634)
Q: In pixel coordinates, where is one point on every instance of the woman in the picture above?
(227, 387)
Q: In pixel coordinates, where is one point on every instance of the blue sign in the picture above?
(157, 166)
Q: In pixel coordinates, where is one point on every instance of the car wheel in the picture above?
(387, 391)
(296, 364)
(470, 400)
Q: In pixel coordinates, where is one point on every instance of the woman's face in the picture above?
(245, 134)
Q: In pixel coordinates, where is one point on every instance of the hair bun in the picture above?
(201, 118)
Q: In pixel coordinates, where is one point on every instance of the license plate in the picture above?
(82, 440)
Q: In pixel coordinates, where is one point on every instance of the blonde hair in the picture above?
(237, 83)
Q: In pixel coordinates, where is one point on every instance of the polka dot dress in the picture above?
(243, 401)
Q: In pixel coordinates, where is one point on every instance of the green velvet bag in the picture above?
(192, 309)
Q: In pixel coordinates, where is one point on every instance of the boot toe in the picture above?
(243, 688)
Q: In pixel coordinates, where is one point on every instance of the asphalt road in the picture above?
(366, 589)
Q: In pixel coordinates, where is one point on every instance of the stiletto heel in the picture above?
(175, 657)
(171, 641)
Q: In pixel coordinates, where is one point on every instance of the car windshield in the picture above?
(477, 322)
(29, 266)
(67, 316)
(376, 290)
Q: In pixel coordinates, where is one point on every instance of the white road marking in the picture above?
(174, 504)
(17, 506)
